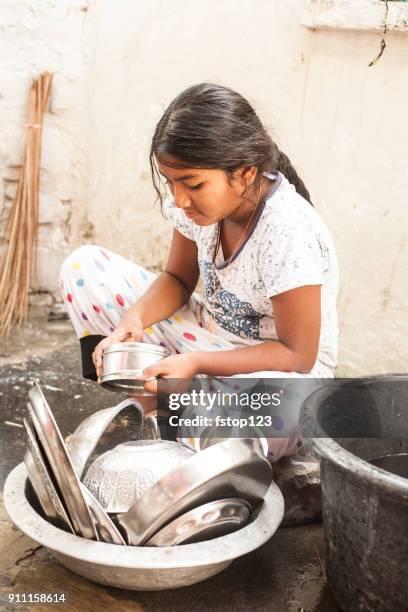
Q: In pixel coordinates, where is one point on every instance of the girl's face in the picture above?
(205, 195)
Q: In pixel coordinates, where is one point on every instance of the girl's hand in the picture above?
(125, 332)
(184, 366)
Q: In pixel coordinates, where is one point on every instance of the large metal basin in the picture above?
(134, 567)
(365, 508)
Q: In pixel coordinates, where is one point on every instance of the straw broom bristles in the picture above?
(21, 225)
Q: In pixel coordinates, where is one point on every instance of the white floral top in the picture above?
(288, 247)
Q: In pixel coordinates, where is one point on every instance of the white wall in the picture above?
(342, 124)
(40, 35)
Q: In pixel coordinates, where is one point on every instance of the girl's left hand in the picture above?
(183, 366)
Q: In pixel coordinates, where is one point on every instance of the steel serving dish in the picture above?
(120, 476)
(139, 568)
(124, 362)
(204, 522)
(233, 468)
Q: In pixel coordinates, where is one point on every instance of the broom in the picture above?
(21, 225)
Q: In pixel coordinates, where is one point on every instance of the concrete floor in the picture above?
(284, 575)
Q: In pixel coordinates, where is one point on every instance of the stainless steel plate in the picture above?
(103, 430)
(60, 463)
(205, 522)
(42, 482)
(234, 468)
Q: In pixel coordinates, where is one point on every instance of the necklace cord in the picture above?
(217, 246)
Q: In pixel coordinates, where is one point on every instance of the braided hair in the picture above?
(211, 126)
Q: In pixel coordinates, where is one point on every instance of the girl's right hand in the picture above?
(125, 332)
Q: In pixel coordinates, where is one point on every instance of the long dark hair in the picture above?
(211, 126)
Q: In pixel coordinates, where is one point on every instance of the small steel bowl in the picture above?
(124, 362)
(120, 476)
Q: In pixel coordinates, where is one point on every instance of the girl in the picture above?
(242, 220)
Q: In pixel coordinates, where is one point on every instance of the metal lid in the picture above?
(137, 347)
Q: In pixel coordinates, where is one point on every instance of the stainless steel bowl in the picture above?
(103, 430)
(124, 362)
(120, 476)
(140, 568)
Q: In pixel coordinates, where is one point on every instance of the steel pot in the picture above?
(124, 362)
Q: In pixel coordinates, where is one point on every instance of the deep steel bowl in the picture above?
(133, 567)
(124, 362)
(120, 476)
(102, 431)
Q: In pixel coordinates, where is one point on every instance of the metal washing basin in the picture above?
(134, 567)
